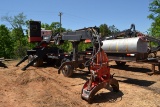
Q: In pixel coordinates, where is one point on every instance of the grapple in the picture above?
(100, 77)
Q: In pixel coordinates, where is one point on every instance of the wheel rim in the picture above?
(65, 70)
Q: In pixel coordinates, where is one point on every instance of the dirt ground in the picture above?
(44, 87)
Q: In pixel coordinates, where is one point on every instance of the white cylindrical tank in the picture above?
(126, 45)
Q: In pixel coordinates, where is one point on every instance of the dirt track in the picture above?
(43, 87)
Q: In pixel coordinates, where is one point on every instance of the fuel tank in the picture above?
(126, 45)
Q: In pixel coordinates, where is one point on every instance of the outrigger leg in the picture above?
(25, 58)
(30, 63)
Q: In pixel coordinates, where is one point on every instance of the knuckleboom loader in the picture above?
(43, 52)
(98, 63)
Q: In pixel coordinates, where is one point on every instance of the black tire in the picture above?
(115, 85)
(67, 70)
(81, 66)
(119, 63)
(38, 63)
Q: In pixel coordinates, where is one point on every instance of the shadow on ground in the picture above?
(3, 65)
(131, 69)
(108, 97)
(138, 82)
(81, 74)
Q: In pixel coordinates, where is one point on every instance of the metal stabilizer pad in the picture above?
(88, 94)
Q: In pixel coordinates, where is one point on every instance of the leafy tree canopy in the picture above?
(104, 30)
(154, 8)
(6, 42)
(17, 22)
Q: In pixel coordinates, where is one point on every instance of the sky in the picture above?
(77, 14)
